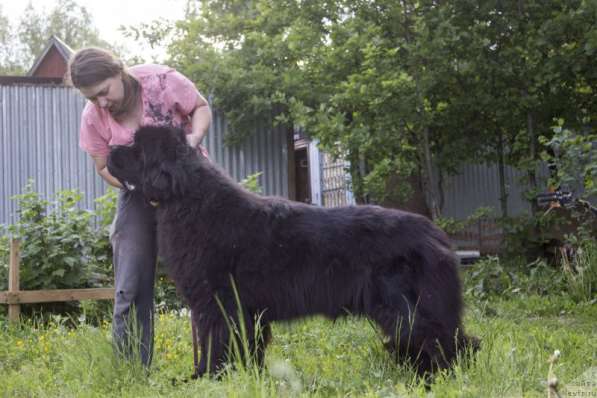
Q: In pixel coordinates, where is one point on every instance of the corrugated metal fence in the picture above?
(39, 140)
(478, 185)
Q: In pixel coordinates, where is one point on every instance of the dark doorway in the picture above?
(302, 181)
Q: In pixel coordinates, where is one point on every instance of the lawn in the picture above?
(313, 358)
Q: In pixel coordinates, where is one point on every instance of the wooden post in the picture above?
(14, 310)
(480, 232)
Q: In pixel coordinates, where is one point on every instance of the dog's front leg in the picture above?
(213, 340)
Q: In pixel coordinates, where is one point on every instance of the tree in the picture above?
(9, 64)
(408, 90)
(316, 64)
(67, 20)
(526, 64)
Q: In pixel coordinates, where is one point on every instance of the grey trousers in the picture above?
(133, 238)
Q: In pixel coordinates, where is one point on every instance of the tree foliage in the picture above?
(9, 63)
(21, 43)
(408, 90)
(405, 88)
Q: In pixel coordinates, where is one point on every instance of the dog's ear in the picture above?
(164, 181)
(165, 151)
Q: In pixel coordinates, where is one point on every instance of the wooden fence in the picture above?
(14, 297)
(484, 235)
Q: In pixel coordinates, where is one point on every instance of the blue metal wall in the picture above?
(39, 139)
(479, 185)
(39, 134)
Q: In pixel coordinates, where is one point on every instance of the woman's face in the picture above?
(107, 94)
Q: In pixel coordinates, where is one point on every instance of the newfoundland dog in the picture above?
(242, 261)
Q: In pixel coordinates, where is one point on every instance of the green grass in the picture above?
(311, 358)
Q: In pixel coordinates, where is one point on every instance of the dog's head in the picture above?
(153, 163)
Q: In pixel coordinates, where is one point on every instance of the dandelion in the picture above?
(285, 373)
(19, 343)
(552, 380)
(184, 313)
(556, 354)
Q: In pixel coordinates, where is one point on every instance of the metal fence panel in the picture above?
(39, 134)
(335, 182)
(478, 185)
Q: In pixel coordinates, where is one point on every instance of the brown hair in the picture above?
(90, 66)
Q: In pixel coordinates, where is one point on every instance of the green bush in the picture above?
(575, 279)
(66, 247)
(251, 182)
(494, 277)
(574, 154)
(62, 245)
(452, 226)
(527, 237)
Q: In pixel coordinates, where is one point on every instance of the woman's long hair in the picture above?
(89, 66)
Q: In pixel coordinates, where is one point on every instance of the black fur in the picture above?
(289, 260)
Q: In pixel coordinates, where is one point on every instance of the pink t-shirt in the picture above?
(168, 99)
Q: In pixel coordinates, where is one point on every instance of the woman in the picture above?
(120, 101)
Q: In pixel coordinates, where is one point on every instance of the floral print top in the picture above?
(168, 99)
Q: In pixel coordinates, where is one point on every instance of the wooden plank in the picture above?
(14, 310)
(47, 296)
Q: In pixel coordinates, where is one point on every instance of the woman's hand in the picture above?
(101, 163)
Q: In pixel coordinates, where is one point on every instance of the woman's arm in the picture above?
(200, 120)
(101, 163)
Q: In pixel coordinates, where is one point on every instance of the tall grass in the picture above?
(309, 358)
(580, 272)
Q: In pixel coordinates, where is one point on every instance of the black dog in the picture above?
(287, 260)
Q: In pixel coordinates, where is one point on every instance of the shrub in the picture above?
(580, 272)
(66, 247)
(62, 245)
(576, 279)
(528, 237)
(54, 236)
(452, 226)
(251, 182)
(493, 277)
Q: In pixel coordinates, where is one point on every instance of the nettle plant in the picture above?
(62, 245)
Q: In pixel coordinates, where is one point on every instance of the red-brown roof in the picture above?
(52, 61)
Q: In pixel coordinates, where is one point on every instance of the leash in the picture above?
(195, 343)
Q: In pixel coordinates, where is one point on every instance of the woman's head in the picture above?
(102, 79)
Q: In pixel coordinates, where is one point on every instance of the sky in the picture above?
(108, 15)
